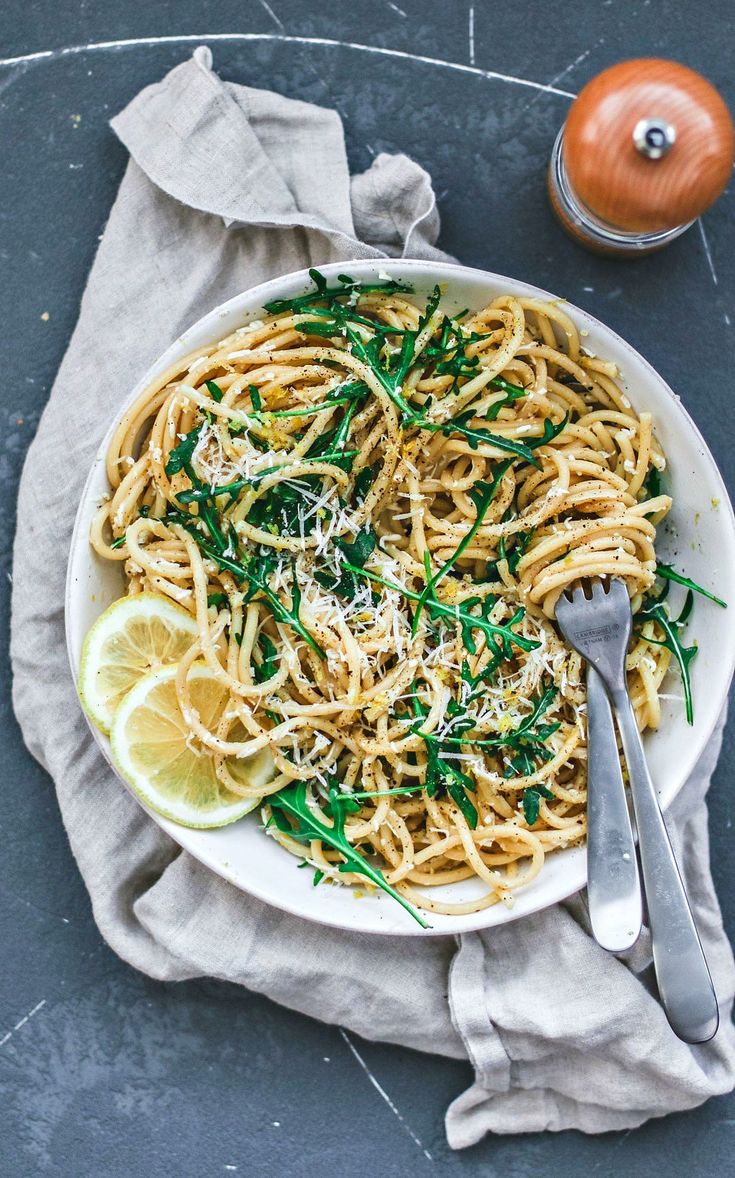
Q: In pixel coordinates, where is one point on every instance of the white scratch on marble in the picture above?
(396, 9)
(707, 251)
(616, 1146)
(572, 66)
(284, 39)
(22, 1022)
(382, 1093)
(562, 74)
(471, 32)
(276, 19)
(11, 77)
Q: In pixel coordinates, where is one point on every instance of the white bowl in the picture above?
(699, 539)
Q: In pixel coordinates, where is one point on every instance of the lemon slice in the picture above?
(167, 768)
(132, 637)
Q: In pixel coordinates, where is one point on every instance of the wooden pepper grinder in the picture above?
(647, 147)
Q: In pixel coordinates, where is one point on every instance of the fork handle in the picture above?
(613, 884)
(684, 982)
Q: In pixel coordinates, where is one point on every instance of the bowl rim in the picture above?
(250, 300)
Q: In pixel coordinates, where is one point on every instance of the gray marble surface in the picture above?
(102, 1071)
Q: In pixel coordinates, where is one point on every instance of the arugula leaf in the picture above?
(670, 574)
(477, 434)
(280, 821)
(503, 652)
(513, 558)
(323, 292)
(450, 355)
(367, 795)
(181, 459)
(532, 796)
(460, 613)
(201, 494)
(181, 455)
(444, 775)
(341, 395)
(341, 320)
(337, 800)
(268, 665)
(215, 391)
(654, 608)
(525, 732)
(255, 572)
(513, 393)
(347, 584)
(119, 542)
(653, 483)
(529, 750)
(333, 441)
(527, 742)
(302, 824)
(211, 520)
(279, 510)
(358, 551)
(482, 495)
(551, 431)
(391, 382)
(364, 480)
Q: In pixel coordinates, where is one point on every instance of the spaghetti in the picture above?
(371, 508)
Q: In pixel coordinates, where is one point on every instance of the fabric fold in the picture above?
(226, 187)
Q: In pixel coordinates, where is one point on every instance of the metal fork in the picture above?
(598, 626)
(613, 882)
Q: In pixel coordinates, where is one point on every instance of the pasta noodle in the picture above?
(371, 508)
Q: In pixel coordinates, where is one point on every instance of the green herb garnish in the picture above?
(255, 571)
(181, 455)
(268, 664)
(301, 823)
(532, 796)
(323, 292)
(442, 774)
(477, 434)
(482, 495)
(670, 574)
(654, 608)
(367, 795)
(364, 480)
(527, 733)
(347, 584)
(460, 613)
(653, 483)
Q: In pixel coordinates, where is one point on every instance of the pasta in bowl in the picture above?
(366, 502)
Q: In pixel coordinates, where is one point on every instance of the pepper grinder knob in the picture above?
(648, 145)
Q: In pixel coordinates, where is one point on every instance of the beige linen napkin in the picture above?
(226, 187)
